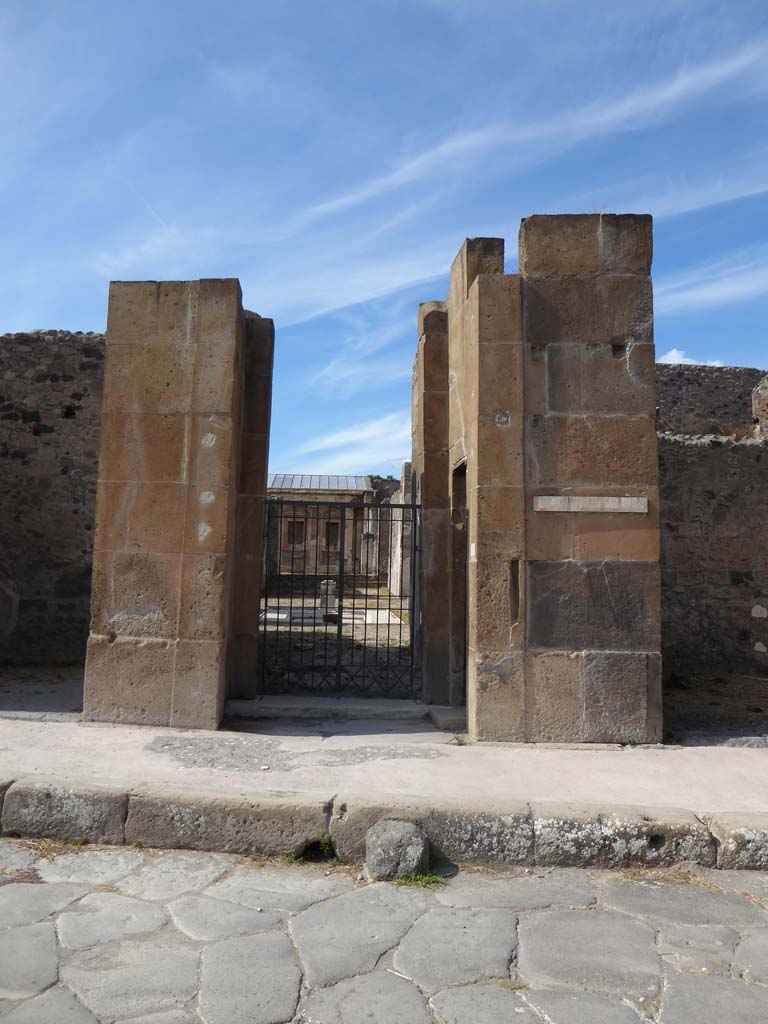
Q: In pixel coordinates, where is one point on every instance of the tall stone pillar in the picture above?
(430, 476)
(593, 664)
(553, 484)
(166, 514)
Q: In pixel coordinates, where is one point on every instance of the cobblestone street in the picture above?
(181, 938)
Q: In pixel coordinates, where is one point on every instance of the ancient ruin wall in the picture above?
(50, 400)
(705, 399)
(714, 497)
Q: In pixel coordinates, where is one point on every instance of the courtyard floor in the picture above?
(119, 935)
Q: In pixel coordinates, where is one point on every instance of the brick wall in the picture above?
(50, 401)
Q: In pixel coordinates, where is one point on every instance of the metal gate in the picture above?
(337, 610)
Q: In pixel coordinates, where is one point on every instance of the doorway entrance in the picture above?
(337, 612)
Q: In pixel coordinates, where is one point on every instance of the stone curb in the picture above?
(546, 834)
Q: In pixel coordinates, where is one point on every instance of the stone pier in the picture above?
(552, 479)
(182, 476)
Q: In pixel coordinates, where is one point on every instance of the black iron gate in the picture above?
(337, 609)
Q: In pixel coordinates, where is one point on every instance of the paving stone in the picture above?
(15, 856)
(55, 1006)
(93, 867)
(173, 874)
(482, 1004)
(28, 961)
(290, 888)
(166, 1017)
(662, 904)
(253, 979)
(580, 1007)
(207, 920)
(27, 902)
(127, 979)
(588, 949)
(694, 1000)
(380, 998)
(751, 959)
(566, 888)
(455, 947)
(104, 916)
(700, 949)
(754, 883)
(348, 934)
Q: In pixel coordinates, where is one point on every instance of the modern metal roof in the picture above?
(317, 482)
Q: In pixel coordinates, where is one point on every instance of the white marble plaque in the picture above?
(589, 503)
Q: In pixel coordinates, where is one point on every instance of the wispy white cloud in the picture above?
(747, 179)
(679, 356)
(381, 442)
(736, 277)
(637, 108)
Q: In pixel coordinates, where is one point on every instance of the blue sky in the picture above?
(334, 155)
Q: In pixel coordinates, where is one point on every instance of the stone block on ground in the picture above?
(693, 1000)
(347, 935)
(395, 849)
(54, 1006)
(28, 961)
(661, 903)
(456, 947)
(482, 1004)
(82, 812)
(252, 979)
(594, 950)
(378, 998)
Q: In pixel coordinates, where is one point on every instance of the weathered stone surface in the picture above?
(174, 874)
(27, 960)
(664, 904)
(569, 834)
(743, 840)
(585, 243)
(206, 920)
(580, 1007)
(589, 949)
(622, 697)
(565, 888)
(97, 867)
(104, 916)
(701, 949)
(55, 1006)
(395, 849)
(379, 998)
(692, 1000)
(127, 979)
(751, 959)
(588, 605)
(705, 399)
(505, 838)
(455, 947)
(481, 1004)
(364, 924)
(47, 809)
(52, 383)
(25, 902)
(279, 888)
(16, 856)
(222, 823)
(165, 1017)
(615, 310)
(249, 980)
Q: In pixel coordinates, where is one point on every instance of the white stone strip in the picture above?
(589, 503)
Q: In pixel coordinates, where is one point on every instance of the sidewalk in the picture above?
(273, 785)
